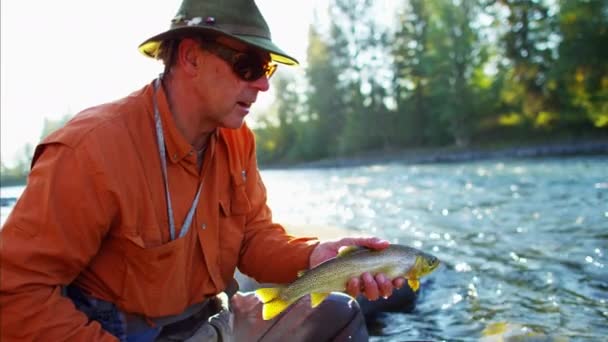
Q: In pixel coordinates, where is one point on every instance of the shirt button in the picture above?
(204, 226)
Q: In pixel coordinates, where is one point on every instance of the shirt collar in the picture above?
(177, 146)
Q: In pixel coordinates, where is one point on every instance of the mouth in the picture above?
(245, 104)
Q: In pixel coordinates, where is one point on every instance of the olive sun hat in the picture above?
(238, 19)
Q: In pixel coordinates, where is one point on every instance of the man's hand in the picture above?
(372, 287)
(219, 327)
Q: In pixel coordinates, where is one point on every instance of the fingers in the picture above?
(385, 286)
(372, 242)
(373, 287)
(370, 287)
(399, 282)
(353, 288)
(244, 302)
(327, 250)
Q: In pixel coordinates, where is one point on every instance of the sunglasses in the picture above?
(248, 66)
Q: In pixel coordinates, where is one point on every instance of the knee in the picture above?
(345, 314)
(337, 318)
(341, 305)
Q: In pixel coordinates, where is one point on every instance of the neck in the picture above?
(186, 113)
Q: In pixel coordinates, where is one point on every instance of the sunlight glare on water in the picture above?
(523, 241)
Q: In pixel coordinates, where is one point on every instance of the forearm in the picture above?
(269, 254)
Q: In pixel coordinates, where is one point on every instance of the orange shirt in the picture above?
(94, 213)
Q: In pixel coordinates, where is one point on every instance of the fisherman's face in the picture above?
(227, 97)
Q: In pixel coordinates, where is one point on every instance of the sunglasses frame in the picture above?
(250, 71)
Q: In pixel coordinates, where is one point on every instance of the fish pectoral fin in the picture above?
(346, 250)
(274, 308)
(268, 294)
(317, 298)
(414, 284)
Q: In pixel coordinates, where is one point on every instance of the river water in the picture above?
(522, 241)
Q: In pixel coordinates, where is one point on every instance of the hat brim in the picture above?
(150, 47)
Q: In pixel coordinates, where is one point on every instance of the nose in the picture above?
(261, 84)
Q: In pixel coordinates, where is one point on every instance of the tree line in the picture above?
(441, 73)
(17, 173)
(386, 75)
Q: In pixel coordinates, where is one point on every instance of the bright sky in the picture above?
(59, 57)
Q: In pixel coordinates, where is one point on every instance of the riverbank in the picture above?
(457, 154)
(564, 148)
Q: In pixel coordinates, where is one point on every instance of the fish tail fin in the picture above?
(268, 294)
(317, 298)
(273, 304)
(274, 308)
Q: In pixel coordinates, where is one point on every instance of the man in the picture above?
(137, 212)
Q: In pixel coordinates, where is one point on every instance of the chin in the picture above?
(233, 124)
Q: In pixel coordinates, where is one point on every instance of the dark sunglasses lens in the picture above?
(248, 66)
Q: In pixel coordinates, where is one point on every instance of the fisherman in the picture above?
(137, 212)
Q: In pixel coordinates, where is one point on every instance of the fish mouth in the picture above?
(434, 263)
(426, 264)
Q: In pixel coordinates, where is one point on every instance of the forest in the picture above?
(396, 75)
(393, 75)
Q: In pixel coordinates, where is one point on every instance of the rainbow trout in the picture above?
(333, 275)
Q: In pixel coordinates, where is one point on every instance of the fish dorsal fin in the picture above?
(344, 251)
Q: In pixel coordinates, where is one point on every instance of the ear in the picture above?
(188, 56)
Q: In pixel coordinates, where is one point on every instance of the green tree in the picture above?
(412, 71)
(51, 125)
(278, 132)
(360, 44)
(581, 72)
(529, 45)
(18, 173)
(457, 58)
(325, 99)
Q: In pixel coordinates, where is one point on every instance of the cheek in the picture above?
(223, 87)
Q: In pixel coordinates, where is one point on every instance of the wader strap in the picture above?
(163, 162)
(137, 323)
(121, 325)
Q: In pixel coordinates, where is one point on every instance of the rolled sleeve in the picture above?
(269, 254)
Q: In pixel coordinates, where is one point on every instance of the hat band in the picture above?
(232, 29)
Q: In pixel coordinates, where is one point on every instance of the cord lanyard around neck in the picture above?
(163, 162)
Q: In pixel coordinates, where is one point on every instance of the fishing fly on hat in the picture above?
(238, 19)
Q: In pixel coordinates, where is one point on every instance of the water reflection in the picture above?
(522, 241)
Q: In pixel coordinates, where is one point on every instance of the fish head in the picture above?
(425, 264)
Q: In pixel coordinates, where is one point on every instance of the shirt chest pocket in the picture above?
(234, 208)
(235, 202)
